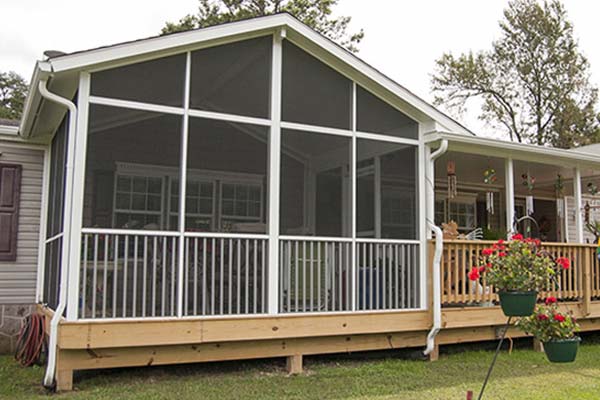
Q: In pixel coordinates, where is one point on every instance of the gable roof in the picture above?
(63, 69)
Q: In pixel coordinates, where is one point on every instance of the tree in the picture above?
(13, 90)
(314, 13)
(534, 82)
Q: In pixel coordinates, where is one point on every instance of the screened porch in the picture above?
(302, 190)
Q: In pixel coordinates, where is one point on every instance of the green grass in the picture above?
(522, 374)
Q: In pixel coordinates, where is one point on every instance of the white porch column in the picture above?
(578, 205)
(274, 175)
(75, 220)
(509, 179)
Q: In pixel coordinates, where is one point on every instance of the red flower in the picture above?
(559, 317)
(542, 317)
(500, 242)
(550, 300)
(487, 252)
(474, 274)
(482, 269)
(563, 262)
(517, 236)
(502, 254)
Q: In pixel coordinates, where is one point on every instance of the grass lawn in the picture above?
(522, 374)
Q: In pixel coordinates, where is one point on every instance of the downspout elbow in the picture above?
(437, 305)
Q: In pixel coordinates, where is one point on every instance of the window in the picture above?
(158, 81)
(463, 213)
(233, 78)
(376, 116)
(440, 212)
(312, 92)
(199, 203)
(138, 202)
(240, 202)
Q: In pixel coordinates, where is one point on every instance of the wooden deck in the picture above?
(467, 316)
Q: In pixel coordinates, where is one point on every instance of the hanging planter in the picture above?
(562, 350)
(518, 269)
(555, 330)
(517, 303)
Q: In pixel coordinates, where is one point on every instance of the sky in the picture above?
(402, 39)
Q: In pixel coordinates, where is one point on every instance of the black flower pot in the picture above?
(562, 350)
(517, 304)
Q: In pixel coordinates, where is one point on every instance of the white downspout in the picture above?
(439, 246)
(64, 273)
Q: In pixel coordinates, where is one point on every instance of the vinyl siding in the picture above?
(594, 215)
(18, 278)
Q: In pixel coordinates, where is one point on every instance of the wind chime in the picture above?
(489, 178)
(529, 183)
(559, 187)
(451, 172)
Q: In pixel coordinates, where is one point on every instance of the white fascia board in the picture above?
(170, 42)
(8, 130)
(41, 71)
(518, 151)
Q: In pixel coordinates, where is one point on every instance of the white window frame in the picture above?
(248, 184)
(133, 174)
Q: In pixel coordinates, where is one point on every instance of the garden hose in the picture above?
(31, 344)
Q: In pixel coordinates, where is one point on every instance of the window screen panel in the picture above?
(159, 81)
(312, 92)
(233, 78)
(376, 116)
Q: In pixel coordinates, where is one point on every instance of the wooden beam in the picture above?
(139, 333)
(82, 359)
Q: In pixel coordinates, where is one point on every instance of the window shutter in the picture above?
(10, 188)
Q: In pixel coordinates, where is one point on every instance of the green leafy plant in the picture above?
(517, 265)
(547, 323)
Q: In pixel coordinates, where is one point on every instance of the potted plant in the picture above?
(555, 330)
(518, 269)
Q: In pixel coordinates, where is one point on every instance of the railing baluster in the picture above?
(135, 274)
(84, 274)
(204, 269)
(195, 255)
(125, 266)
(164, 277)
(115, 277)
(154, 259)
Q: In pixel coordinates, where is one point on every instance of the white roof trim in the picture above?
(520, 151)
(9, 130)
(87, 59)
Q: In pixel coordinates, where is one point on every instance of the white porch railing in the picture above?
(387, 275)
(225, 275)
(315, 275)
(134, 274)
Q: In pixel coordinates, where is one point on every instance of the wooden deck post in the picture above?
(294, 364)
(435, 354)
(64, 374)
(538, 346)
(587, 279)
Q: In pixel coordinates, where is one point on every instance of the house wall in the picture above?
(594, 215)
(18, 278)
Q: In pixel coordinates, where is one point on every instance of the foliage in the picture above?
(491, 234)
(534, 83)
(547, 323)
(13, 90)
(593, 227)
(517, 265)
(314, 13)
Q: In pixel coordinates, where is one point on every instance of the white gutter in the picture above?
(439, 247)
(64, 273)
